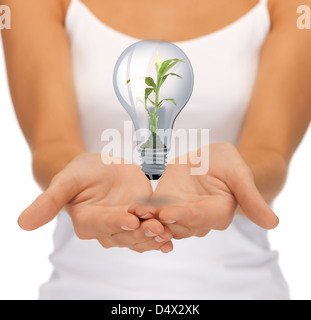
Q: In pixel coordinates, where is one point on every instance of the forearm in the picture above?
(269, 169)
(51, 157)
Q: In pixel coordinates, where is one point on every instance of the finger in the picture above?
(201, 216)
(99, 222)
(242, 185)
(156, 243)
(151, 245)
(179, 231)
(189, 217)
(152, 227)
(105, 243)
(148, 229)
(167, 247)
(143, 211)
(48, 204)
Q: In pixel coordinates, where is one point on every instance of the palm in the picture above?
(188, 189)
(92, 193)
(114, 188)
(97, 197)
(199, 203)
(196, 197)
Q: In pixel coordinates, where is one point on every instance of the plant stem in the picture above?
(154, 121)
(146, 107)
(154, 118)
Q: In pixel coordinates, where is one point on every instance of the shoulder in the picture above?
(290, 26)
(286, 13)
(33, 11)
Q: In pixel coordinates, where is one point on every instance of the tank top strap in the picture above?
(71, 15)
(264, 2)
(74, 1)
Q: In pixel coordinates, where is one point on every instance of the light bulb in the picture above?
(153, 80)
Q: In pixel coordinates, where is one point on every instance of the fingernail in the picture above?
(169, 221)
(148, 233)
(159, 239)
(165, 252)
(127, 228)
(147, 216)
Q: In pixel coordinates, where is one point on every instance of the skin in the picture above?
(97, 196)
(100, 210)
(201, 203)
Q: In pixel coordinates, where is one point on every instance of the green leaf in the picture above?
(153, 103)
(150, 82)
(162, 79)
(164, 66)
(148, 91)
(147, 94)
(171, 100)
(165, 77)
(167, 65)
(128, 81)
(176, 75)
(157, 62)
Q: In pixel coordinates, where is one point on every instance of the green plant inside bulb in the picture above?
(162, 71)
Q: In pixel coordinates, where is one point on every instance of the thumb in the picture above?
(46, 207)
(251, 201)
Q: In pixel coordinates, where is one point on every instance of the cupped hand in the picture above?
(200, 203)
(97, 197)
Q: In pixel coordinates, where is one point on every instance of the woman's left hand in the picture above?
(201, 203)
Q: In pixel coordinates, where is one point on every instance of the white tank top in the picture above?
(233, 264)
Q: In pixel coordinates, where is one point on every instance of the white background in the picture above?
(24, 263)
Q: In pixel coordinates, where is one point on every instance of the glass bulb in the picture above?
(153, 80)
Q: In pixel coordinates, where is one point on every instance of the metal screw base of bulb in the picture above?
(153, 162)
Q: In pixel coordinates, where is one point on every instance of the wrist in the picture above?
(51, 157)
(269, 169)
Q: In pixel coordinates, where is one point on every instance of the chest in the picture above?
(174, 20)
(224, 62)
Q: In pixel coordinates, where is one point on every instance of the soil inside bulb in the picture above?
(153, 142)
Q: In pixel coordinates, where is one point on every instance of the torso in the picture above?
(225, 65)
(168, 20)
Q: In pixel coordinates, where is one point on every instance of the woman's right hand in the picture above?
(97, 197)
